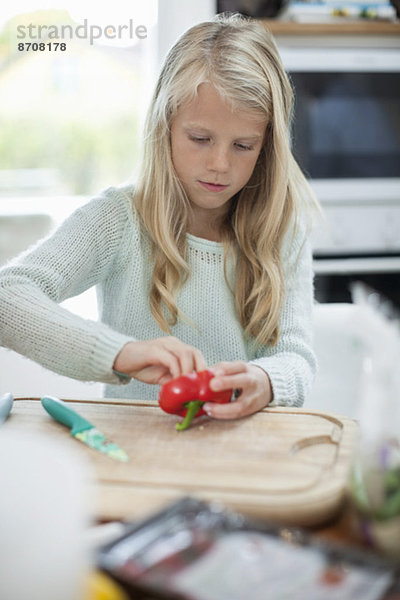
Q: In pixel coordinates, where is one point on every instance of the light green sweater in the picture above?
(101, 245)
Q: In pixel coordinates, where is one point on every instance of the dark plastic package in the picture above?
(195, 550)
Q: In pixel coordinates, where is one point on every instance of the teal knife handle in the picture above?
(61, 412)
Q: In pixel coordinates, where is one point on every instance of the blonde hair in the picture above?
(239, 57)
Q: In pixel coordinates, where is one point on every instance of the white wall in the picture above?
(175, 17)
(25, 378)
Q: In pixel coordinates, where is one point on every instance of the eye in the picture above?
(199, 139)
(244, 146)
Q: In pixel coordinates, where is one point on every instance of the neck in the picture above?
(206, 232)
(207, 226)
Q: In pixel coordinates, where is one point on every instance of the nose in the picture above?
(218, 158)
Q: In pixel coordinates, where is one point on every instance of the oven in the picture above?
(346, 138)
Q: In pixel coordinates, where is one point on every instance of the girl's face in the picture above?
(214, 152)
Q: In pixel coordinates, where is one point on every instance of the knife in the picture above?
(81, 429)
(6, 402)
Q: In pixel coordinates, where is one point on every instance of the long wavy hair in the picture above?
(240, 58)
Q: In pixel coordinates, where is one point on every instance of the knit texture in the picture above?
(101, 245)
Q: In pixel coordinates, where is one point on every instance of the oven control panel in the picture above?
(347, 229)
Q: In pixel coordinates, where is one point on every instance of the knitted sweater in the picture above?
(101, 245)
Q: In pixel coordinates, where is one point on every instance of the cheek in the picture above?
(245, 168)
(184, 159)
(176, 154)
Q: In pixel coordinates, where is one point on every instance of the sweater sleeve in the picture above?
(74, 258)
(291, 363)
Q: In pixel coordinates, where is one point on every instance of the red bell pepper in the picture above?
(185, 396)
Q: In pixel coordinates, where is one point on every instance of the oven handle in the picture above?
(336, 265)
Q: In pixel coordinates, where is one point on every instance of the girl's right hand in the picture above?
(159, 360)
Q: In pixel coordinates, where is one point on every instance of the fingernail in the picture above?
(207, 410)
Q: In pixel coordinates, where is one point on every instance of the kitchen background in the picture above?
(70, 121)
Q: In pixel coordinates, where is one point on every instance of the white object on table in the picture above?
(44, 511)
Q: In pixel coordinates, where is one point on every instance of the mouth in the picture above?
(213, 187)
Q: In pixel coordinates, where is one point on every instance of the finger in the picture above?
(229, 368)
(186, 361)
(180, 360)
(227, 382)
(168, 360)
(190, 358)
(194, 361)
(199, 361)
(152, 374)
(232, 410)
(164, 379)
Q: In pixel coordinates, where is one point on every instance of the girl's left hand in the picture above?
(253, 383)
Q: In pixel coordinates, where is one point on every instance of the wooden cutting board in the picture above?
(286, 464)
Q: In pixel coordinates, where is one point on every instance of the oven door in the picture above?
(347, 112)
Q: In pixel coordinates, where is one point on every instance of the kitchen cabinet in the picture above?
(346, 28)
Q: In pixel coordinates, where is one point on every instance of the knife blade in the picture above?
(81, 429)
(6, 403)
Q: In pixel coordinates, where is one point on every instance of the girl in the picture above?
(205, 260)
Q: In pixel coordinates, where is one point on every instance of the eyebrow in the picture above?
(200, 128)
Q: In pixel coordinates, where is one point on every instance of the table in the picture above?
(308, 444)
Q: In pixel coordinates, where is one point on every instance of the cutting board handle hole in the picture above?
(314, 441)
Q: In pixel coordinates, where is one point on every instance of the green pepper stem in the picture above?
(193, 408)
